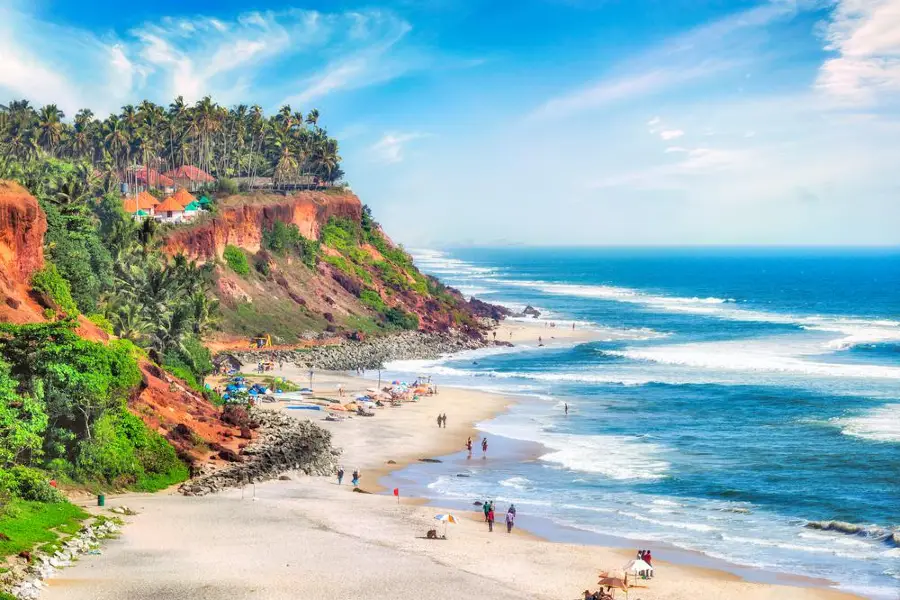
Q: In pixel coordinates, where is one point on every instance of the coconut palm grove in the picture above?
(289, 148)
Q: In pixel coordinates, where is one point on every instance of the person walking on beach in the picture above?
(355, 480)
(491, 517)
(444, 418)
(340, 474)
(649, 560)
(439, 420)
(510, 519)
(484, 446)
(486, 507)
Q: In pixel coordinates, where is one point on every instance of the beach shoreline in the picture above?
(262, 535)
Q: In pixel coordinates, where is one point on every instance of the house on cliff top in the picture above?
(142, 202)
(190, 177)
(170, 211)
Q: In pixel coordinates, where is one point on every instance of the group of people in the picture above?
(484, 446)
(647, 557)
(442, 421)
(488, 508)
(355, 476)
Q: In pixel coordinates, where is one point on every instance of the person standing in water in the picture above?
(340, 474)
(567, 407)
(484, 447)
(355, 480)
(469, 446)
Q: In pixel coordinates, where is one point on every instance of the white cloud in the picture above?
(670, 134)
(654, 122)
(389, 149)
(865, 34)
(272, 53)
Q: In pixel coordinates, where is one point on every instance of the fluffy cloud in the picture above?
(300, 55)
(865, 34)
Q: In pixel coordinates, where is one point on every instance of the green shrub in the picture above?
(371, 299)
(236, 260)
(401, 319)
(54, 288)
(340, 233)
(28, 484)
(123, 452)
(101, 321)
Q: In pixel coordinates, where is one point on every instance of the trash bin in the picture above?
(101, 500)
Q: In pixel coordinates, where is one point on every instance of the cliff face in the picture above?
(241, 220)
(22, 228)
(163, 402)
(361, 282)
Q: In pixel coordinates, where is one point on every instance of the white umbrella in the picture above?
(637, 566)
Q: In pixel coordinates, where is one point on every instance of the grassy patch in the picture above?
(280, 317)
(29, 524)
(367, 325)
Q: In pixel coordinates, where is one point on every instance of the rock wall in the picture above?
(372, 353)
(284, 444)
(240, 221)
(22, 228)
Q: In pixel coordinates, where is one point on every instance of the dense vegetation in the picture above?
(63, 398)
(63, 410)
(225, 142)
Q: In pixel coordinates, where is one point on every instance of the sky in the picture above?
(529, 122)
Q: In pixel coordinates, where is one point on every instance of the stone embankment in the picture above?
(26, 578)
(284, 444)
(369, 354)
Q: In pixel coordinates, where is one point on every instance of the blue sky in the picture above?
(535, 121)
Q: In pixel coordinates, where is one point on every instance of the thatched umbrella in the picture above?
(615, 583)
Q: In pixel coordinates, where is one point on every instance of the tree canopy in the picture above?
(240, 141)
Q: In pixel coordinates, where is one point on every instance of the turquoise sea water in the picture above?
(735, 395)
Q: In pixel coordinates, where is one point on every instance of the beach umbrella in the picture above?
(637, 566)
(446, 518)
(615, 583)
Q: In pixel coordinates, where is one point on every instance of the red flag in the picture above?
(397, 492)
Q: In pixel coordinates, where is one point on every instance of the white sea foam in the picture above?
(880, 424)
(854, 330)
(612, 456)
(518, 483)
(761, 355)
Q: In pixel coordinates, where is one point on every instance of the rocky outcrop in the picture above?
(284, 444)
(484, 310)
(369, 354)
(240, 221)
(890, 537)
(22, 228)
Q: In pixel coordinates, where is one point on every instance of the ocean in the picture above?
(733, 396)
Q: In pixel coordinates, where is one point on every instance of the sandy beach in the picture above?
(310, 538)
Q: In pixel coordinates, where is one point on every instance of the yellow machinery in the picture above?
(263, 340)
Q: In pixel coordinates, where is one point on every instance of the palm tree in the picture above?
(50, 127)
